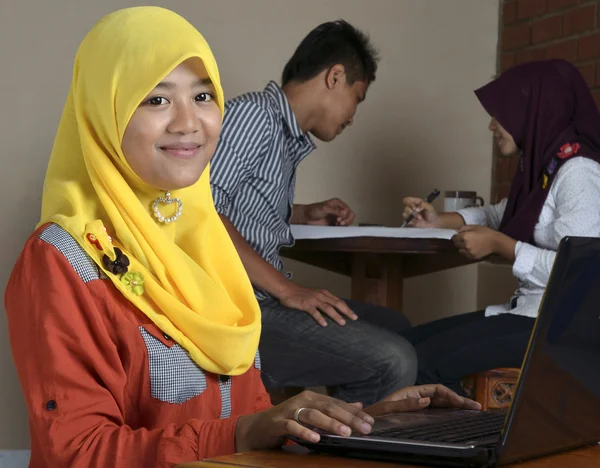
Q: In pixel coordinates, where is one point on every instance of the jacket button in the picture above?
(51, 405)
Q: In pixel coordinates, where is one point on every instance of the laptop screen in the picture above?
(557, 401)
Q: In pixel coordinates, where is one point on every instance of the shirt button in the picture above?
(51, 405)
(166, 337)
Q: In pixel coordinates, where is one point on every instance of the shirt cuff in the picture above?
(525, 258)
(217, 438)
(473, 216)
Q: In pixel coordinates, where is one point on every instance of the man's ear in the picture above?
(334, 76)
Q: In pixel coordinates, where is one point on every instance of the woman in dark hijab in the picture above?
(542, 111)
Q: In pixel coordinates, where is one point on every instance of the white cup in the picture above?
(455, 200)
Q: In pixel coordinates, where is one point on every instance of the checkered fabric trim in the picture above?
(257, 360)
(174, 376)
(77, 257)
(225, 388)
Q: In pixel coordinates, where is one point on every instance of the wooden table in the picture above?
(377, 265)
(299, 458)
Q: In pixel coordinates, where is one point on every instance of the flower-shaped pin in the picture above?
(567, 150)
(134, 282)
(119, 265)
(92, 239)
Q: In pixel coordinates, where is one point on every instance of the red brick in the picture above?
(502, 174)
(516, 36)
(558, 4)
(566, 50)
(589, 47)
(579, 20)
(509, 14)
(506, 61)
(523, 56)
(546, 29)
(539, 53)
(596, 95)
(530, 8)
(598, 74)
(588, 71)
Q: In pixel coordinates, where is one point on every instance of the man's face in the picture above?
(339, 107)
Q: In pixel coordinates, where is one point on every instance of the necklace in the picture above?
(167, 200)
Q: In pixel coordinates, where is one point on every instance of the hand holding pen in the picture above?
(421, 210)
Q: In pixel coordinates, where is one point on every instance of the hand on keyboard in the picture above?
(419, 397)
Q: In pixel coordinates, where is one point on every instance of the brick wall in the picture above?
(540, 29)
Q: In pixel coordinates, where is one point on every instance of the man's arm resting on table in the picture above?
(298, 214)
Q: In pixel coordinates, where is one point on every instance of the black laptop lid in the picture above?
(557, 402)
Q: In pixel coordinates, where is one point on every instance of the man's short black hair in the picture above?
(331, 43)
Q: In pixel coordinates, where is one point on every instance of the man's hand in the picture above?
(268, 428)
(316, 302)
(332, 212)
(419, 397)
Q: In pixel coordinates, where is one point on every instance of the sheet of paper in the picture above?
(300, 231)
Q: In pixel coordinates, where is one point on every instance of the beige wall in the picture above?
(420, 127)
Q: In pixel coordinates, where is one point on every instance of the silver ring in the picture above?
(297, 415)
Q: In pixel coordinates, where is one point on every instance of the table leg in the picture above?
(377, 279)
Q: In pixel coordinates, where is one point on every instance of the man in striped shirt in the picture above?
(306, 338)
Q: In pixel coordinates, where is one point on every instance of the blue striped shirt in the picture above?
(253, 171)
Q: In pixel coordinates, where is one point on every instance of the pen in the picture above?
(432, 196)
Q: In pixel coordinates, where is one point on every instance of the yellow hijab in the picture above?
(195, 288)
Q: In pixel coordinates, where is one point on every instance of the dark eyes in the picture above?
(156, 101)
(159, 100)
(204, 97)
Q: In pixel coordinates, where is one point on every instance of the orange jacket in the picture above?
(105, 387)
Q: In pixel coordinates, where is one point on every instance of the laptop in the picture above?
(556, 403)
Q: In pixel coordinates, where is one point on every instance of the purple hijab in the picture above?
(543, 105)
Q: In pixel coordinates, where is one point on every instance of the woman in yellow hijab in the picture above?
(133, 325)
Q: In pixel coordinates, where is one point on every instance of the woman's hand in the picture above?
(477, 242)
(426, 215)
(268, 428)
(419, 397)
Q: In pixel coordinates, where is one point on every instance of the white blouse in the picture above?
(572, 208)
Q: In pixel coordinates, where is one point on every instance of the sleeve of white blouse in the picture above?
(489, 216)
(576, 192)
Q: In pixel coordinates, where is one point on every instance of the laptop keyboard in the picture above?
(462, 428)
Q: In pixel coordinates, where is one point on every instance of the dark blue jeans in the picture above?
(364, 360)
(455, 347)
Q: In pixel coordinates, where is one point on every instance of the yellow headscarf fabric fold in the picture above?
(195, 287)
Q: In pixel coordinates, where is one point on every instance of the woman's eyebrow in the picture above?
(170, 85)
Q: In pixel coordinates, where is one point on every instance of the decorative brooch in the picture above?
(134, 282)
(566, 151)
(117, 266)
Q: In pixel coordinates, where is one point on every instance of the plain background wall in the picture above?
(420, 127)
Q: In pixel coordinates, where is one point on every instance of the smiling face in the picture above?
(173, 133)
(504, 140)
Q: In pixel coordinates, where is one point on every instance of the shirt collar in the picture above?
(277, 94)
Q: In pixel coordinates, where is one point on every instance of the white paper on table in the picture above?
(301, 231)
